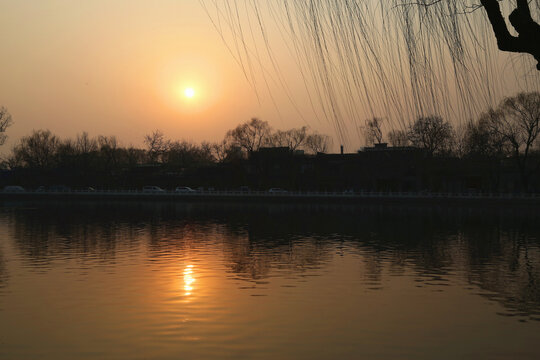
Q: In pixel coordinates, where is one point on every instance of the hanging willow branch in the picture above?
(395, 59)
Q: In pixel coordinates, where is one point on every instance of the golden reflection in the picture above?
(188, 280)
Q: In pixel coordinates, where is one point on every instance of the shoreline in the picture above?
(288, 197)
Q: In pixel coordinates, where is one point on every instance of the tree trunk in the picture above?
(528, 31)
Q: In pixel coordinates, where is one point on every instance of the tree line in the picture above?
(511, 131)
(44, 150)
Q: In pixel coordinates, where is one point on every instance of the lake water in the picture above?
(129, 280)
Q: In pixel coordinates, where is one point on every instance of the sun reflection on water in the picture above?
(188, 280)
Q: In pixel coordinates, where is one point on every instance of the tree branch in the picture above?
(529, 31)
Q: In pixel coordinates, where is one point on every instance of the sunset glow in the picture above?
(269, 179)
(166, 67)
(189, 92)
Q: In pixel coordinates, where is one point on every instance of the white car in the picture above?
(152, 189)
(184, 189)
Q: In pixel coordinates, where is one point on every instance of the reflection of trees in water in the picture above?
(64, 231)
(498, 249)
(275, 239)
(511, 274)
(253, 244)
(253, 258)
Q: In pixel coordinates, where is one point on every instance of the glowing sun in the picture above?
(189, 92)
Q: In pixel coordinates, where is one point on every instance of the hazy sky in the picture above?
(119, 67)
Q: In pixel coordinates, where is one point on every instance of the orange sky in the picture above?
(120, 68)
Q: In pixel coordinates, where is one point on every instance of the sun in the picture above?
(189, 92)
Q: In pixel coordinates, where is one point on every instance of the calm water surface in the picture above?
(215, 281)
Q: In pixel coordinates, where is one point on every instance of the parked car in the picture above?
(184, 189)
(14, 188)
(277, 191)
(152, 189)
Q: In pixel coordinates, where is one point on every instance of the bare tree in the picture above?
(297, 138)
(278, 139)
(479, 139)
(66, 153)
(398, 138)
(183, 154)
(37, 150)
(156, 144)
(5, 122)
(373, 131)
(318, 143)
(517, 121)
(134, 156)
(206, 154)
(294, 139)
(250, 136)
(85, 144)
(220, 150)
(108, 147)
(432, 134)
(226, 151)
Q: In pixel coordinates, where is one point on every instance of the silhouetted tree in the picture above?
(109, 151)
(520, 18)
(250, 136)
(479, 140)
(318, 143)
(184, 154)
(205, 150)
(66, 154)
(84, 144)
(432, 134)
(5, 122)
(398, 138)
(373, 131)
(85, 151)
(38, 150)
(528, 30)
(134, 156)
(294, 139)
(156, 145)
(220, 150)
(517, 121)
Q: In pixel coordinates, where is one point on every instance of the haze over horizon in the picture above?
(122, 68)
